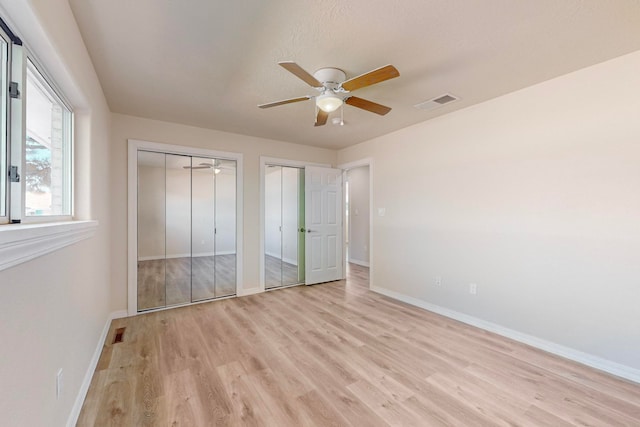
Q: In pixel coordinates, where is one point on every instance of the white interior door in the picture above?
(323, 222)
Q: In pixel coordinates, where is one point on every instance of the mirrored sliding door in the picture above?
(284, 225)
(225, 242)
(214, 228)
(151, 230)
(178, 229)
(186, 212)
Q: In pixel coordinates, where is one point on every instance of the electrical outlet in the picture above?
(59, 383)
(473, 288)
(438, 281)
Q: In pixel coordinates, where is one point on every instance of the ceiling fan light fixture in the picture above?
(328, 102)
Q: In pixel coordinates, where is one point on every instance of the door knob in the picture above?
(310, 231)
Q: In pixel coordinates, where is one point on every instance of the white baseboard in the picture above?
(596, 362)
(86, 382)
(359, 262)
(250, 291)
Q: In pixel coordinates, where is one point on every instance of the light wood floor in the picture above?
(337, 354)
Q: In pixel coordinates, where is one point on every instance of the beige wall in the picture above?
(535, 197)
(53, 308)
(128, 127)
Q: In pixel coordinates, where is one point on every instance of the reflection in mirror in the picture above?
(203, 231)
(272, 226)
(283, 212)
(178, 229)
(290, 178)
(186, 229)
(151, 230)
(225, 242)
(214, 228)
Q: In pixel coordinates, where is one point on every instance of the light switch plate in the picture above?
(381, 211)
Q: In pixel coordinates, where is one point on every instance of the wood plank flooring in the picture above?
(338, 354)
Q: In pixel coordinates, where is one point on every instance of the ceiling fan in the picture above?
(335, 89)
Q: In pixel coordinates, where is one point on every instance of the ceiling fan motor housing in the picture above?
(330, 77)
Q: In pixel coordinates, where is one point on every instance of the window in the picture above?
(47, 150)
(36, 127)
(36, 135)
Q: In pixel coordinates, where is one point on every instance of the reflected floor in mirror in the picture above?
(279, 273)
(168, 282)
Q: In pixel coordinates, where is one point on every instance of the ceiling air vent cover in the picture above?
(437, 102)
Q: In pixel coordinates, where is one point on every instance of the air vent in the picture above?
(119, 335)
(437, 102)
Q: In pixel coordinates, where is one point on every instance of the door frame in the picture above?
(367, 161)
(134, 145)
(264, 161)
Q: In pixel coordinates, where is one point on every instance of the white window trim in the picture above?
(20, 243)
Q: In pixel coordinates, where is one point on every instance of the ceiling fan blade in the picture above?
(284, 101)
(299, 72)
(367, 105)
(197, 167)
(372, 77)
(321, 119)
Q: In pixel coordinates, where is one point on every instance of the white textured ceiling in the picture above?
(209, 63)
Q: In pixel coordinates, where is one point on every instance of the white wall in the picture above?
(53, 308)
(359, 215)
(534, 197)
(128, 127)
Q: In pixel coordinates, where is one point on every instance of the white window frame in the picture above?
(42, 76)
(5, 155)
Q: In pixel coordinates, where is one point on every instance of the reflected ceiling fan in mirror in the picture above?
(215, 164)
(335, 90)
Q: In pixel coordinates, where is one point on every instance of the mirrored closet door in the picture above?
(284, 226)
(186, 216)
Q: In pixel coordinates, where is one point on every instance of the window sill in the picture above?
(23, 242)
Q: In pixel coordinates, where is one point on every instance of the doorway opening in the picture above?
(358, 222)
